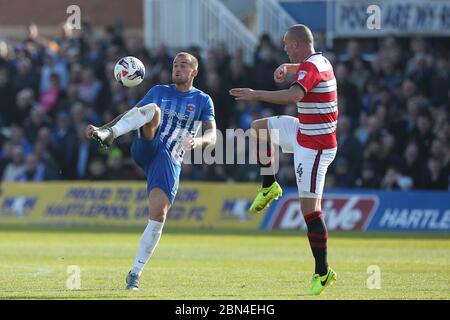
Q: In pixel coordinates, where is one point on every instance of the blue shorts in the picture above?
(159, 167)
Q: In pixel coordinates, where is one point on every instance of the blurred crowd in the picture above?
(394, 104)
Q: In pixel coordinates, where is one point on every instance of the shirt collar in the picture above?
(312, 54)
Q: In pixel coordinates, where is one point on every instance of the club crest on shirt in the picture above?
(301, 75)
(190, 107)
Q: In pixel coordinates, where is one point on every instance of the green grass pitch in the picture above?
(220, 265)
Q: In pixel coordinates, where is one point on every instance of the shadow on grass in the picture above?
(64, 294)
(101, 229)
(99, 297)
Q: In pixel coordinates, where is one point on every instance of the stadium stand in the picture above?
(394, 105)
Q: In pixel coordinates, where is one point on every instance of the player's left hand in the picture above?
(243, 94)
(191, 143)
(280, 73)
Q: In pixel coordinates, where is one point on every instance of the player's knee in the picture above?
(150, 127)
(158, 214)
(256, 127)
(156, 116)
(150, 111)
(159, 211)
(157, 110)
(255, 124)
(259, 129)
(310, 205)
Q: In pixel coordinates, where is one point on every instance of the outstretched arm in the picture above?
(288, 96)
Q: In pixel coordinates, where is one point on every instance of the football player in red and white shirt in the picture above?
(311, 137)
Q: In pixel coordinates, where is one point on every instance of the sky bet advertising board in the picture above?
(367, 210)
(200, 205)
(216, 205)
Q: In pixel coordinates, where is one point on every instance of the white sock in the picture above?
(134, 119)
(149, 241)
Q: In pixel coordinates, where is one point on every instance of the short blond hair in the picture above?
(193, 60)
(302, 33)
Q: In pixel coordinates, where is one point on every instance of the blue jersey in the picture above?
(181, 114)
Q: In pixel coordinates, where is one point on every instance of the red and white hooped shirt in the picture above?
(318, 110)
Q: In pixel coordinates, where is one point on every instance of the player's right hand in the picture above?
(280, 74)
(90, 130)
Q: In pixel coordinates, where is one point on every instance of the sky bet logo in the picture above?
(19, 206)
(341, 212)
(235, 209)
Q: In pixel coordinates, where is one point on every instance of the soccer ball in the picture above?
(129, 71)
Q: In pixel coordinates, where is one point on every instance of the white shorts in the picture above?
(310, 165)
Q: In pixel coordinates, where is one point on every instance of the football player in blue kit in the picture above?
(167, 120)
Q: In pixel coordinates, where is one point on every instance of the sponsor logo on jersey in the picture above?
(180, 116)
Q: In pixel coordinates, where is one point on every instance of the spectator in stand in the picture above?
(89, 87)
(345, 176)
(368, 178)
(354, 59)
(115, 164)
(6, 155)
(263, 67)
(423, 133)
(34, 170)
(97, 170)
(6, 97)
(239, 72)
(412, 164)
(223, 102)
(393, 180)
(44, 157)
(36, 120)
(85, 151)
(24, 76)
(286, 174)
(24, 103)
(349, 92)
(440, 81)
(349, 147)
(18, 139)
(421, 73)
(65, 146)
(53, 64)
(434, 176)
(16, 167)
(51, 98)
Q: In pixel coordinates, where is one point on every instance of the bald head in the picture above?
(298, 43)
(301, 33)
